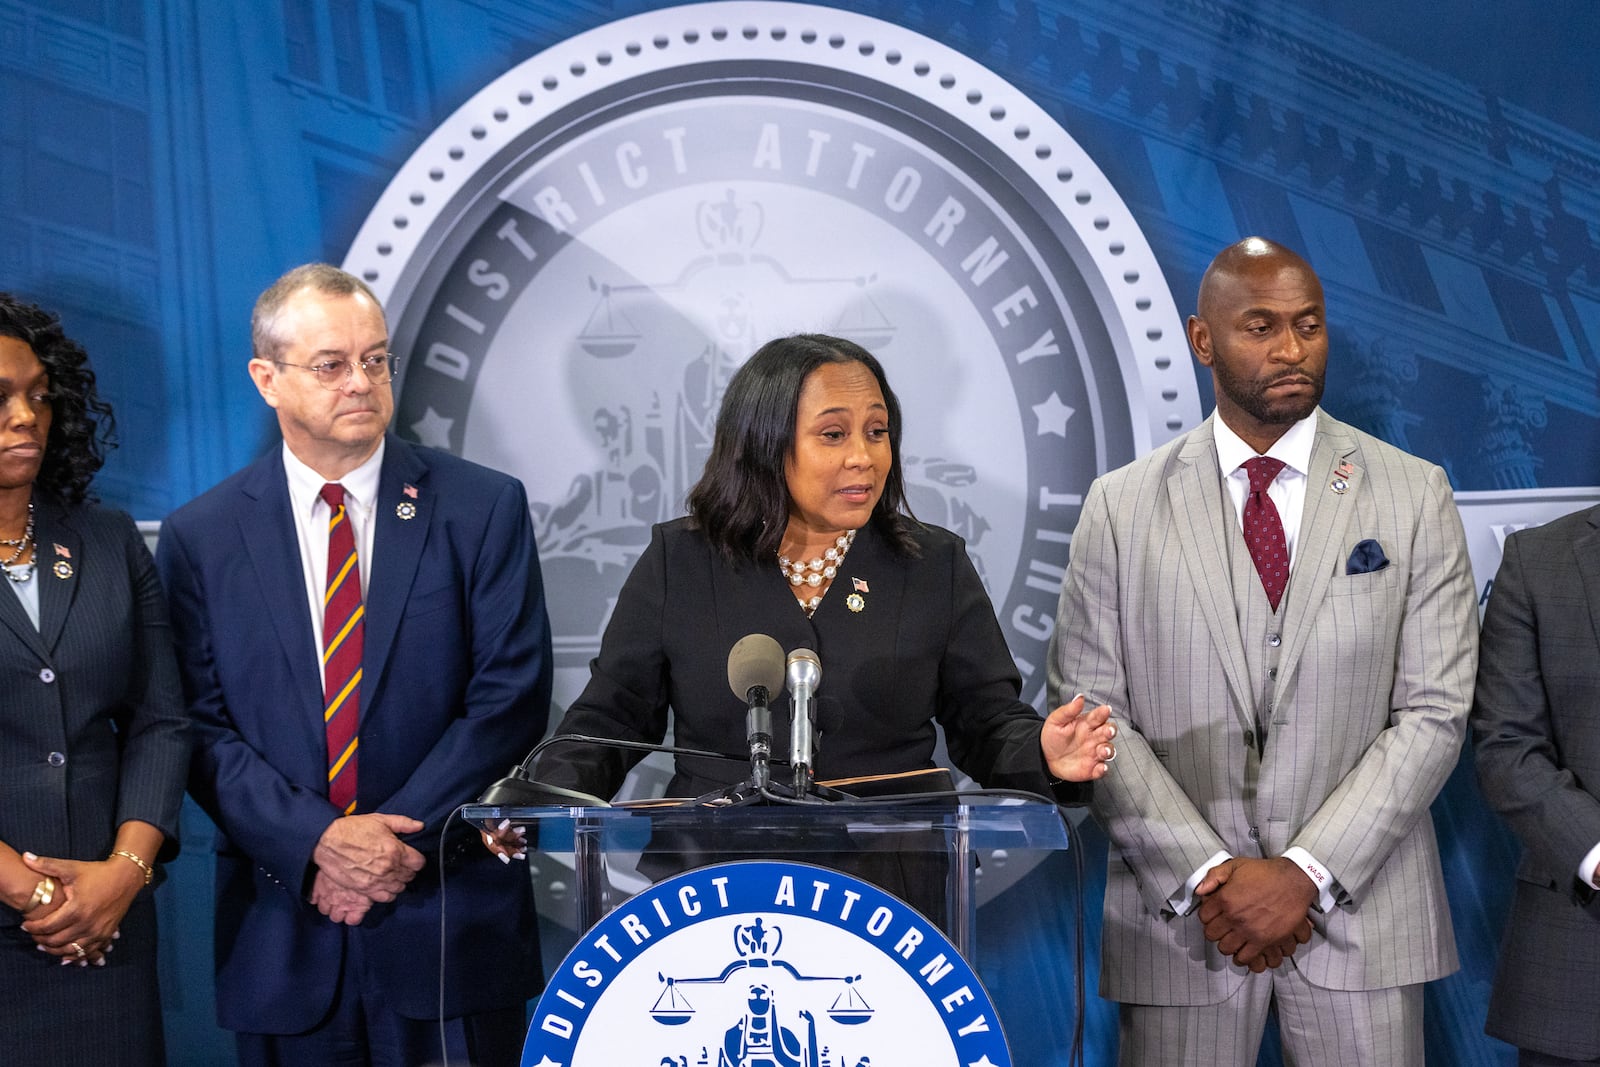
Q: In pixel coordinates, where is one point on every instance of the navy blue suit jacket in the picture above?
(455, 684)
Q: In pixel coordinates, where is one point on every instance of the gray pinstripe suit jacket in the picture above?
(1368, 708)
(1536, 732)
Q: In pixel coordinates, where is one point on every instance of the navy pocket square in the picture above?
(1366, 557)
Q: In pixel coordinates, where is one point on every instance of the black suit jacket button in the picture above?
(46, 675)
(56, 759)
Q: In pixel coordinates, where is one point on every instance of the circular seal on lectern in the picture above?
(576, 261)
(764, 963)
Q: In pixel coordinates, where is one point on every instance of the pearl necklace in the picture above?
(816, 572)
(20, 545)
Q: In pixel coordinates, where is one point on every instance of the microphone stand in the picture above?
(759, 788)
(758, 730)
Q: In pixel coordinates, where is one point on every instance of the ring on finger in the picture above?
(75, 947)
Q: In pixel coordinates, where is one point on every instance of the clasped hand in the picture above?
(91, 899)
(1256, 910)
(361, 861)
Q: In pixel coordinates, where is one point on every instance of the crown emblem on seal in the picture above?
(757, 942)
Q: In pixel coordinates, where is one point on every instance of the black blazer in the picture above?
(924, 647)
(92, 728)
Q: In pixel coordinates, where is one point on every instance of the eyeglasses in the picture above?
(334, 373)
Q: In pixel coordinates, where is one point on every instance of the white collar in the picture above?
(360, 485)
(1293, 448)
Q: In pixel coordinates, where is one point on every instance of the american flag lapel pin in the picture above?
(62, 569)
(1341, 477)
(855, 601)
(406, 509)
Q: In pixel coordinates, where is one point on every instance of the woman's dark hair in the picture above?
(81, 424)
(742, 498)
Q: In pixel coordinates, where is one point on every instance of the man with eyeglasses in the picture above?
(363, 639)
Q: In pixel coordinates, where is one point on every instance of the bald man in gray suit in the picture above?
(1280, 610)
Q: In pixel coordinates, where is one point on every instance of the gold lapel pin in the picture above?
(855, 601)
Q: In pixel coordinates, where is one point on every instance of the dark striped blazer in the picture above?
(92, 728)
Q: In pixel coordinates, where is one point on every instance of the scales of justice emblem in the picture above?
(766, 1035)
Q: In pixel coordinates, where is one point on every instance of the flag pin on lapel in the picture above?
(855, 601)
(1341, 475)
(406, 509)
(62, 569)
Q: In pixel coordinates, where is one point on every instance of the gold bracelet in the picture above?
(43, 893)
(141, 864)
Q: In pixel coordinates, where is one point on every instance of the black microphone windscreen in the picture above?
(756, 659)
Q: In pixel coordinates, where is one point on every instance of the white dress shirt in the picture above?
(1287, 491)
(1586, 868)
(311, 516)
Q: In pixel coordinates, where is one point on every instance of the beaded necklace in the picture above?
(19, 573)
(817, 573)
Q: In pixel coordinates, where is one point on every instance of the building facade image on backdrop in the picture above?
(582, 217)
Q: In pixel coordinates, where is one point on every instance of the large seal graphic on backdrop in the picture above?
(577, 260)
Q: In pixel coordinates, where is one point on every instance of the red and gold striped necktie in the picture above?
(342, 618)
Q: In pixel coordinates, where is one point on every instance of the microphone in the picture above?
(804, 671)
(755, 673)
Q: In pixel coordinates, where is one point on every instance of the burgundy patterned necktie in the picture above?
(342, 616)
(1263, 530)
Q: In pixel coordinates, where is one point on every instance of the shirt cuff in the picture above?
(1183, 902)
(1586, 868)
(1327, 885)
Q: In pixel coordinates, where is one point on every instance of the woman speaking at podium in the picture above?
(798, 529)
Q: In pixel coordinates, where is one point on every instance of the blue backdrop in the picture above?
(162, 161)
